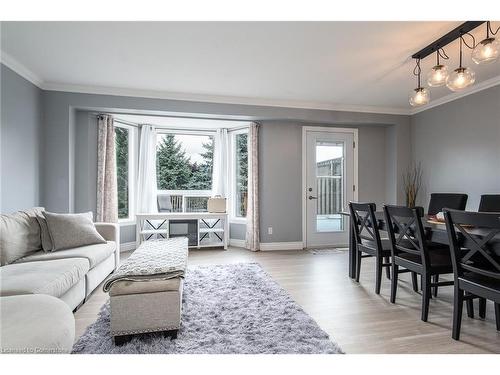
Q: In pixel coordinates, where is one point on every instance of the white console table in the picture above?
(158, 224)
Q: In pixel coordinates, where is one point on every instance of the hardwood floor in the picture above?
(351, 313)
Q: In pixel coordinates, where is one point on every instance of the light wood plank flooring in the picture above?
(351, 313)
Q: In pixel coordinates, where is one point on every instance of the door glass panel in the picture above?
(330, 186)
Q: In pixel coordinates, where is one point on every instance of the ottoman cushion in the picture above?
(137, 287)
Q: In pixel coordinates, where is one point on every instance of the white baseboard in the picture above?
(272, 246)
(236, 243)
(127, 246)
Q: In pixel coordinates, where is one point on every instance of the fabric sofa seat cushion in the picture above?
(19, 235)
(36, 324)
(95, 254)
(72, 230)
(53, 277)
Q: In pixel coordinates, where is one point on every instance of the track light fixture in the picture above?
(484, 52)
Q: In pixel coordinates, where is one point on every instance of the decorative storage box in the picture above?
(216, 204)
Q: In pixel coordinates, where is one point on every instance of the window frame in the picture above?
(233, 218)
(132, 166)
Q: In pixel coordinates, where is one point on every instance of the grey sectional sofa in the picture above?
(68, 275)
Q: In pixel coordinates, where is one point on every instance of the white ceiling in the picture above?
(358, 65)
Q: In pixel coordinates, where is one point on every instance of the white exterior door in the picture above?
(329, 185)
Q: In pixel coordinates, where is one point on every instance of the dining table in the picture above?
(434, 232)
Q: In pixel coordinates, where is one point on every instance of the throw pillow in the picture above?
(72, 230)
(19, 235)
(44, 232)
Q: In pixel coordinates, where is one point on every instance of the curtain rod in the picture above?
(175, 128)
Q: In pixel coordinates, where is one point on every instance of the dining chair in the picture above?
(368, 241)
(446, 200)
(411, 250)
(476, 267)
(489, 203)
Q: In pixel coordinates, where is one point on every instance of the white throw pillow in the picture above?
(72, 230)
(19, 235)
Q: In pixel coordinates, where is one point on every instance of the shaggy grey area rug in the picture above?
(227, 309)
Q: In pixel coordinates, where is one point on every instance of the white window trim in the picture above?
(232, 178)
(132, 167)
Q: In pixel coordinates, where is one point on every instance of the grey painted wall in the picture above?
(281, 174)
(21, 114)
(280, 131)
(458, 144)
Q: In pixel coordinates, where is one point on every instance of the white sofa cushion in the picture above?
(53, 277)
(19, 235)
(36, 324)
(94, 253)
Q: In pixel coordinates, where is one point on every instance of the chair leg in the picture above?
(436, 280)
(458, 304)
(497, 315)
(470, 306)
(358, 265)
(426, 295)
(414, 281)
(387, 270)
(378, 275)
(394, 282)
(482, 308)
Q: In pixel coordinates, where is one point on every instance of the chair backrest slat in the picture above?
(472, 236)
(365, 223)
(439, 201)
(489, 203)
(406, 232)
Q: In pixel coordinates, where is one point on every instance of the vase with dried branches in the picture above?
(412, 181)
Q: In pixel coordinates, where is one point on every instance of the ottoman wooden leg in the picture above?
(120, 340)
(172, 334)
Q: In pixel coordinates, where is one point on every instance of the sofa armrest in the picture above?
(111, 232)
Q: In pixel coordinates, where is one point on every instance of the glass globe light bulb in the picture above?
(486, 51)
(460, 79)
(437, 76)
(419, 96)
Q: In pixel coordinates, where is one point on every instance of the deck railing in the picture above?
(330, 191)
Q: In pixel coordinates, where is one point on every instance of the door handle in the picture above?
(311, 197)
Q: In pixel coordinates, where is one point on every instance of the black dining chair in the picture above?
(489, 203)
(368, 241)
(446, 200)
(411, 250)
(476, 266)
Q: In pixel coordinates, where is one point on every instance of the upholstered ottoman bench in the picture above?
(146, 290)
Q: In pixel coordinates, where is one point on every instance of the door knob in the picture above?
(311, 197)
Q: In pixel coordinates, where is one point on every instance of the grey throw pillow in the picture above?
(44, 231)
(19, 235)
(71, 230)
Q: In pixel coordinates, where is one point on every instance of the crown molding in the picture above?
(457, 95)
(32, 77)
(117, 91)
(20, 69)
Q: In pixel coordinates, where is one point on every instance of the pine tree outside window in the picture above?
(184, 163)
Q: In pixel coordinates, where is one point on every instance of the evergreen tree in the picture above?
(201, 177)
(173, 168)
(242, 172)
(121, 144)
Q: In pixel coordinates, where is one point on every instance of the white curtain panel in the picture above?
(107, 192)
(253, 230)
(220, 176)
(146, 180)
